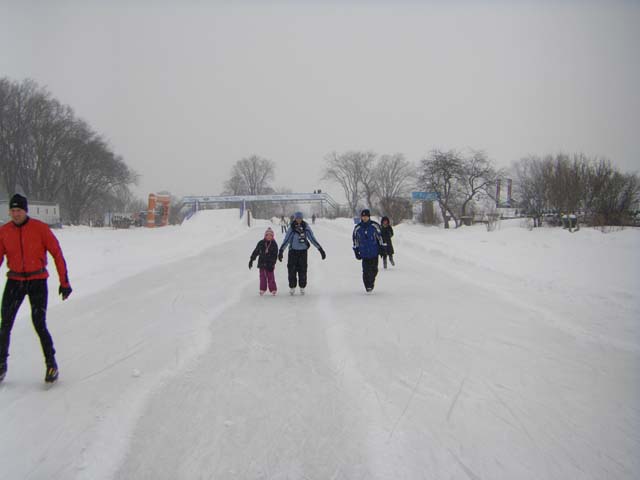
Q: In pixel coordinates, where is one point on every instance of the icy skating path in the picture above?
(434, 376)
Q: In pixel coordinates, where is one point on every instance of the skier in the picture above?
(367, 245)
(299, 238)
(266, 252)
(283, 225)
(25, 241)
(386, 230)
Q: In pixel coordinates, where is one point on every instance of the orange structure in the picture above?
(164, 201)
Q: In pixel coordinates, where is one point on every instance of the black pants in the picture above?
(297, 267)
(369, 271)
(14, 293)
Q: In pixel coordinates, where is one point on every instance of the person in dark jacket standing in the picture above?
(386, 230)
(299, 238)
(367, 245)
(266, 252)
(25, 242)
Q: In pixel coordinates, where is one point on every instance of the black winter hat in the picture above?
(365, 212)
(18, 201)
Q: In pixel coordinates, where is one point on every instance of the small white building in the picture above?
(46, 212)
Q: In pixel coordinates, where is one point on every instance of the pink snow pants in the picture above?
(267, 278)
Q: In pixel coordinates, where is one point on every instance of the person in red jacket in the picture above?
(25, 242)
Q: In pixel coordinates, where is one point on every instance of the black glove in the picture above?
(358, 256)
(280, 255)
(322, 254)
(382, 251)
(250, 264)
(65, 291)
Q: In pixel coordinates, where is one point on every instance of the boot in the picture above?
(51, 374)
(384, 262)
(391, 260)
(3, 369)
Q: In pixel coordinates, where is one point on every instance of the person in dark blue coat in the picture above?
(367, 245)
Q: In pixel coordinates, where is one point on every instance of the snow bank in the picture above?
(100, 257)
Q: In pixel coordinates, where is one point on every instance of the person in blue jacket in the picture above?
(367, 245)
(299, 238)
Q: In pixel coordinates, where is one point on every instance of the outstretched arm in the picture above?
(256, 252)
(53, 247)
(311, 237)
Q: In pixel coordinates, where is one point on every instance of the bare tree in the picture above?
(439, 173)
(366, 162)
(235, 186)
(476, 175)
(393, 177)
(353, 171)
(576, 183)
(343, 170)
(612, 195)
(251, 176)
(530, 188)
(15, 119)
(43, 174)
(48, 154)
(94, 175)
(254, 173)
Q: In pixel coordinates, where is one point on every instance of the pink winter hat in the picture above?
(269, 231)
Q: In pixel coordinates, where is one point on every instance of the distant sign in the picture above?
(424, 196)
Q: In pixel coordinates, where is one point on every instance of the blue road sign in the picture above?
(424, 196)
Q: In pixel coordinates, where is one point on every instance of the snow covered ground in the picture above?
(512, 354)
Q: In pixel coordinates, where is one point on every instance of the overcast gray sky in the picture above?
(184, 89)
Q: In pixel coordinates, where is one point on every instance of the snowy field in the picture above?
(511, 354)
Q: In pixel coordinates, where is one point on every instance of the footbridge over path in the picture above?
(323, 199)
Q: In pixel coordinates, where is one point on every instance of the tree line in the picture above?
(590, 187)
(465, 184)
(49, 154)
(382, 183)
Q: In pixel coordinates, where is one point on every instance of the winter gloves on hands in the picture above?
(250, 264)
(357, 254)
(280, 255)
(65, 291)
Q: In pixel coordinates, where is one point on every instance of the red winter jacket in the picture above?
(26, 249)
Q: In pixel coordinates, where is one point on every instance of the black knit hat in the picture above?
(365, 212)
(18, 201)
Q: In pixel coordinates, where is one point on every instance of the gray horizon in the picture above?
(184, 91)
